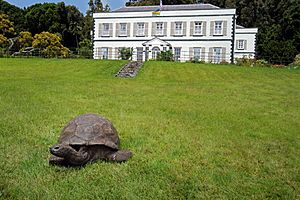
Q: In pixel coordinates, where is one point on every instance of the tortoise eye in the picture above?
(56, 148)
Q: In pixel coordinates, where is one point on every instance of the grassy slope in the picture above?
(197, 131)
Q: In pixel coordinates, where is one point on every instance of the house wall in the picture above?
(249, 36)
(186, 42)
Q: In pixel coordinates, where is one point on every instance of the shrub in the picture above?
(296, 63)
(3, 41)
(245, 61)
(278, 66)
(261, 63)
(50, 45)
(126, 53)
(224, 62)
(25, 39)
(196, 60)
(165, 56)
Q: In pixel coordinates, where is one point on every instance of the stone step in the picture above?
(130, 70)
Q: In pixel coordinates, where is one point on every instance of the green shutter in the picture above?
(117, 29)
(203, 53)
(224, 28)
(184, 28)
(204, 28)
(212, 28)
(223, 54)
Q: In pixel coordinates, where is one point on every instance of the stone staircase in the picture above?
(130, 70)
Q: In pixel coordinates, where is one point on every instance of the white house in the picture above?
(194, 31)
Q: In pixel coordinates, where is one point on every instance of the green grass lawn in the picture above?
(196, 131)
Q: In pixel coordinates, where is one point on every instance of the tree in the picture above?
(75, 25)
(98, 6)
(3, 41)
(50, 45)
(6, 26)
(15, 14)
(25, 39)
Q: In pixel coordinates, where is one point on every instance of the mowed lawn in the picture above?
(196, 131)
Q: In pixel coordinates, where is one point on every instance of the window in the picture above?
(217, 55)
(241, 44)
(218, 28)
(197, 53)
(140, 29)
(105, 29)
(177, 53)
(123, 29)
(159, 28)
(198, 28)
(104, 53)
(178, 28)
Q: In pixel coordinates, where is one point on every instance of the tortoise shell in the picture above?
(90, 129)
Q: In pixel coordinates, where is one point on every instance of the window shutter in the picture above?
(99, 52)
(203, 53)
(110, 29)
(237, 45)
(100, 30)
(135, 29)
(153, 28)
(146, 29)
(110, 53)
(192, 24)
(224, 28)
(117, 53)
(245, 44)
(204, 28)
(172, 28)
(184, 28)
(117, 29)
(212, 26)
(191, 53)
(210, 54)
(223, 54)
(128, 29)
(165, 28)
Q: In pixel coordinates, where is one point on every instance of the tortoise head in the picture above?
(62, 150)
(70, 155)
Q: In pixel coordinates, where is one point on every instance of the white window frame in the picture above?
(140, 31)
(159, 28)
(104, 53)
(177, 53)
(178, 28)
(197, 53)
(198, 28)
(218, 28)
(241, 44)
(123, 29)
(217, 54)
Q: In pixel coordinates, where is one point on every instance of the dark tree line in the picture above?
(278, 22)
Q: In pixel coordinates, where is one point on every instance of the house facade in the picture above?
(192, 32)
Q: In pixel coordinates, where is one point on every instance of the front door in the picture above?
(140, 54)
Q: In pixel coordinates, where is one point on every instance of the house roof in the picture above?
(168, 8)
(239, 27)
(156, 41)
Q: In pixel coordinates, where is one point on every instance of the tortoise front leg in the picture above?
(119, 156)
(54, 160)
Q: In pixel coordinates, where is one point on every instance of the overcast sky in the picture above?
(82, 5)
